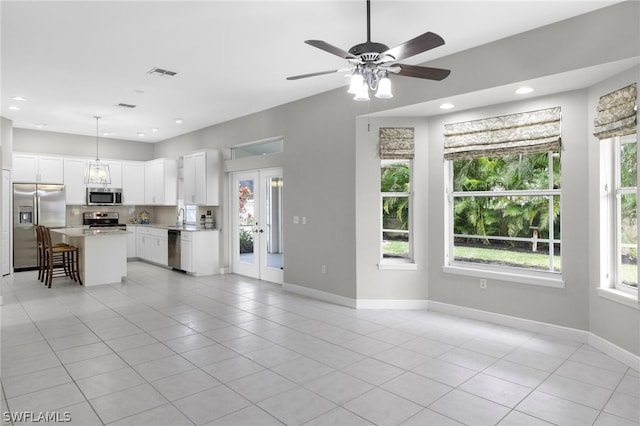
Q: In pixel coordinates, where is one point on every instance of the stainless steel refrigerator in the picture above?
(34, 204)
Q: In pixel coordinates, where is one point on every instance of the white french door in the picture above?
(257, 242)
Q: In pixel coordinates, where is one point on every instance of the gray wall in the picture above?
(43, 142)
(608, 319)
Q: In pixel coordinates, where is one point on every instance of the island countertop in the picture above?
(88, 232)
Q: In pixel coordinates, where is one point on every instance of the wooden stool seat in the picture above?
(62, 257)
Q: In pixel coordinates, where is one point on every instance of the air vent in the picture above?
(123, 105)
(160, 72)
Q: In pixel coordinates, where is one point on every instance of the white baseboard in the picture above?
(509, 321)
(603, 345)
(615, 352)
(553, 330)
(391, 304)
(320, 295)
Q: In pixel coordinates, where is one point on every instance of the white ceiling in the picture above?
(74, 60)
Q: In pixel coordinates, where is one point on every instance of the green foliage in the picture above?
(512, 216)
(246, 241)
(395, 177)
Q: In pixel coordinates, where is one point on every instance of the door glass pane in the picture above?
(274, 222)
(246, 220)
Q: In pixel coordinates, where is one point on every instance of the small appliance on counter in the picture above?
(208, 220)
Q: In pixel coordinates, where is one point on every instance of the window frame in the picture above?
(389, 262)
(548, 278)
(615, 222)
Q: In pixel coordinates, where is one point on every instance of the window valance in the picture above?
(617, 113)
(397, 143)
(527, 132)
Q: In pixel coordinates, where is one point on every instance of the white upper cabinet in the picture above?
(161, 182)
(37, 169)
(132, 182)
(201, 172)
(115, 169)
(74, 186)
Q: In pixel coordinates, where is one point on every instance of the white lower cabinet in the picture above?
(131, 242)
(186, 256)
(152, 245)
(200, 252)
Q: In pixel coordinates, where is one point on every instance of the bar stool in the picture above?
(41, 252)
(59, 257)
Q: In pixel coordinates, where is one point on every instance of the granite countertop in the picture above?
(190, 228)
(88, 232)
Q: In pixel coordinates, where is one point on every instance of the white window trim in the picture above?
(397, 263)
(609, 221)
(476, 270)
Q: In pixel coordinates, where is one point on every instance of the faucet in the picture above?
(179, 221)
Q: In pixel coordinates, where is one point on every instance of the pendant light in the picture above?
(97, 172)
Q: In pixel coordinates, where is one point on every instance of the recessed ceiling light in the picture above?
(447, 105)
(154, 129)
(14, 108)
(524, 90)
(19, 98)
(179, 120)
(141, 134)
(41, 125)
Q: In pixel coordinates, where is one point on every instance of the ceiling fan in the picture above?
(371, 62)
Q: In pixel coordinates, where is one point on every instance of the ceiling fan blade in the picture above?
(313, 74)
(420, 72)
(422, 43)
(323, 45)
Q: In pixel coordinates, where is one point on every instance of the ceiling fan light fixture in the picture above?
(356, 84)
(384, 88)
(363, 93)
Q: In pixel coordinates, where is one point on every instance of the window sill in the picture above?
(397, 266)
(545, 279)
(618, 296)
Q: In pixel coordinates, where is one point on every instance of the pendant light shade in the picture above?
(97, 172)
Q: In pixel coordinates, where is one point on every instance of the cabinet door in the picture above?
(115, 168)
(74, 186)
(200, 169)
(163, 250)
(189, 179)
(152, 181)
(141, 247)
(133, 183)
(51, 169)
(186, 258)
(25, 168)
(131, 241)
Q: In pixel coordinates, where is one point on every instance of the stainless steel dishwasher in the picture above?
(174, 249)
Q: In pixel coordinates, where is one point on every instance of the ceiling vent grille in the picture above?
(160, 72)
(123, 105)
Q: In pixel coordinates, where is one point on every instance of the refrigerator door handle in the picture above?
(36, 203)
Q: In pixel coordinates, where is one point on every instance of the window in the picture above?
(623, 197)
(505, 211)
(503, 197)
(396, 203)
(259, 148)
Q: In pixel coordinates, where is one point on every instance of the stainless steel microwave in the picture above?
(104, 196)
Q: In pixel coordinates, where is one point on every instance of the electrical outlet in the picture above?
(324, 269)
(296, 220)
(483, 284)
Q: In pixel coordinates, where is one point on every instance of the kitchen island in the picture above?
(102, 253)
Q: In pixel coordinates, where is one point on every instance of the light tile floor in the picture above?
(162, 348)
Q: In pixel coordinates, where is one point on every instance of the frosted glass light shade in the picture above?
(98, 173)
(356, 83)
(384, 89)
